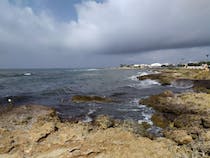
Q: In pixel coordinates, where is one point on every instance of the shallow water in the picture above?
(55, 87)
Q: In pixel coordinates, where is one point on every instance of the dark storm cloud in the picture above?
(126, 26)
(109, 27)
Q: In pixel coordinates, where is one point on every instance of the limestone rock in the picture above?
(179, 136)
(39, 132)
(159, 120)
(187, 120)
(206, 122)
(104, 122)
(205, 136)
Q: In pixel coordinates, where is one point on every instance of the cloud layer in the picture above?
(126, 26)
(109, 27)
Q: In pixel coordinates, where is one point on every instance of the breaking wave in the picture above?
(145, 84)
(134, 77)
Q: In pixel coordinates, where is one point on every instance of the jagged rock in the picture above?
(163, 78)
(187, 120)
(6, 141)
(185, 103)
(44, 135)
(206, 122)
(179, 136)
(160, 120)
(104, 122)
(39, 131)
(135, 127)
(205, 136)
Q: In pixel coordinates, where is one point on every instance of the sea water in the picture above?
(55, 88)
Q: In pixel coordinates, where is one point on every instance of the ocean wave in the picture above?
(10, 75)
(87, 119)
(128, 110)
(182, 84)
(57, 92)
(27, 74)
(91, 111)
(143, 73)
(146, 118)
(135, 101)
(92, 69)
(145, 84)
(134, 77)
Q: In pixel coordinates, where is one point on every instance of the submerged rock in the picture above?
(80, 98)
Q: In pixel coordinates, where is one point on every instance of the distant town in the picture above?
(190, 65)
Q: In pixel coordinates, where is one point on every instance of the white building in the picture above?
(156, 65)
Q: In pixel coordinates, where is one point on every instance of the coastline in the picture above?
(37, 131)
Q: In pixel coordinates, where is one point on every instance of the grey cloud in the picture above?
(111, 27)
(126, 26)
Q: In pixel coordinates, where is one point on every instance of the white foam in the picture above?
(182, 84)
(27, 74)
(92, 69)
(129, 110)
(135, 101)
(147, 118)
(142, 106)
(145, 84)
(91, 111)
(134, 77)
(143, 73)
(87, 119)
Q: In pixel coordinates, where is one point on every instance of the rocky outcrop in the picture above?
(185, 103)
(36, 132)
(186, 116)
(104, 122)
(198, 79)
(163, 78)
(179, 136)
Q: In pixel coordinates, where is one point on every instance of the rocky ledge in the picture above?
(185, 118)
(35, 131)
(200, 79)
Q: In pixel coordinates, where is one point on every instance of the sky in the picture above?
(102, 33)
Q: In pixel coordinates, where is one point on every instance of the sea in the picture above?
(56, 87)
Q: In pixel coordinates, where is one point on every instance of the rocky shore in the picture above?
(199, 78)
(185, 117)
(35, 131)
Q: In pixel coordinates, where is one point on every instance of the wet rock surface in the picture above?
(36, 132)
(189, 124)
